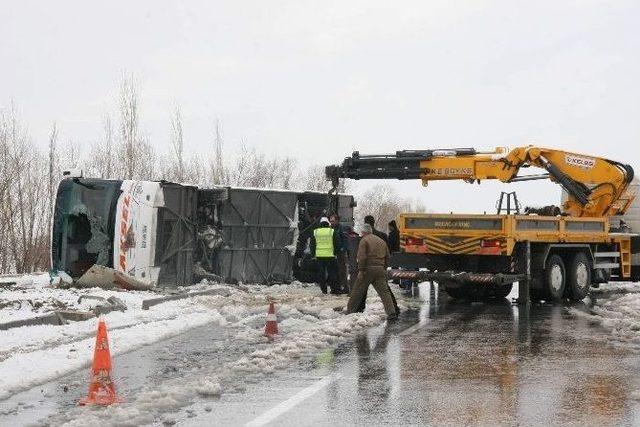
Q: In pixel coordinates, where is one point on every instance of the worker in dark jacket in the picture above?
(394, 237)
(353, 239)
(341, 253)
(373, 257)
(372, 222)
(324, 243)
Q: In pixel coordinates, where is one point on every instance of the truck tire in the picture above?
(578, 277)
(537, 295)
(499, 292)
(456, 292)
(555, 277)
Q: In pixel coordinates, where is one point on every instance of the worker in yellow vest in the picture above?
(324, 244)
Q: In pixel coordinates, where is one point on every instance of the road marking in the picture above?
(411, 329)
(292, 402)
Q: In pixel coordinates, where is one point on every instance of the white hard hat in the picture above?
(324, 219)
(366, 229)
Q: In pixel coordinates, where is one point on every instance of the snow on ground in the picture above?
(19, 302)
(308, 322)
(57, 350)
(616, 306)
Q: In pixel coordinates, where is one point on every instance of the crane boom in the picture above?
(596, 186)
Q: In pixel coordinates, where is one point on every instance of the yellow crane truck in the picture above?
(554, 253)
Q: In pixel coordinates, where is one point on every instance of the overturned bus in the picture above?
(141, 234)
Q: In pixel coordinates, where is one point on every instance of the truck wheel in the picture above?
(578, 277)
(536, 295)
(461, 292)
(500, 292)
(554, 277)
(456, 293)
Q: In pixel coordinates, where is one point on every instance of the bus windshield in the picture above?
(83, 224)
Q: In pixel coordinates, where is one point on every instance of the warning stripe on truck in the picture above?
(439, 246)
(469, 246)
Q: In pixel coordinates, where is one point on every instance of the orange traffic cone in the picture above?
(271, 327)
(102, 390)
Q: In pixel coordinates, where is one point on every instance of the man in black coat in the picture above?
(394, 237)
(372, 222)
(341, 253)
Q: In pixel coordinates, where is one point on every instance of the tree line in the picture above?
(29, 173)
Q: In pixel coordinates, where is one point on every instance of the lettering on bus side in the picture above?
(123, 232)
(144, 237)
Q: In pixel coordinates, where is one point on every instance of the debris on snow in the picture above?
(307, 321)
(48, 319)
(209, 387)
(107, 278)
(146, 304)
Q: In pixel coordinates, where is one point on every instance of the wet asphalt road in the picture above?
(444, 364)
(455, 364)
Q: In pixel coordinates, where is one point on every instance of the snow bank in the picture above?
(308, 322)
(616, 306)
(57, 350)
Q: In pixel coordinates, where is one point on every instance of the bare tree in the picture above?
(219, 172)
(24, 211)
(316, 180)
(6, 179)
(384, 203)
(102, 161)
(255, 169)
(196, 170)
(240, 169)
(107, 158)
(288, 172)
(146, 163)
(71, 155)
(129, 122)
(177, 144)
(53, 169)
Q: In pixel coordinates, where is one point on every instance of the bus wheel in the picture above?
(578, 277)
(555, 277)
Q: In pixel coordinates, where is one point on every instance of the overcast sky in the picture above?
(318, 80)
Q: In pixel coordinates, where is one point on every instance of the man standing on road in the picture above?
(372, 222)
(341, 253)
(394, 241)
(394, 237)
(353, 240)
(323, 247)
(373, 257)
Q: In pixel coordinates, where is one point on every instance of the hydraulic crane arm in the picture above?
(596, 186)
